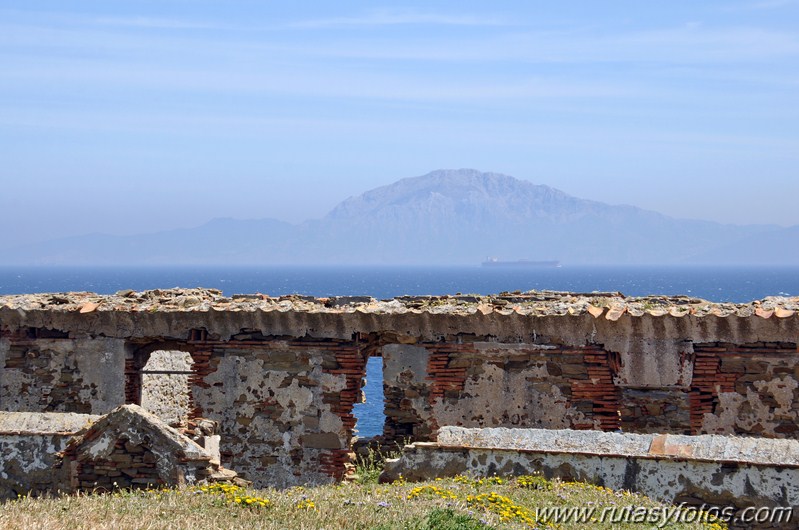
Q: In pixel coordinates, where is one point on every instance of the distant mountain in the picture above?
(444, 217)
(218, 241)
(773, 247)
(462, 216)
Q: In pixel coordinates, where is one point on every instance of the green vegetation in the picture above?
(461, 503)
(442, 519)
(369, 462)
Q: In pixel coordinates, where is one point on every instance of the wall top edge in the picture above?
(609, 306)
(43, 423)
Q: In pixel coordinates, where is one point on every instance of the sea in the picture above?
(717, 284)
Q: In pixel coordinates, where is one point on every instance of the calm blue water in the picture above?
(370, 413)
(734, 284)
(719, 284)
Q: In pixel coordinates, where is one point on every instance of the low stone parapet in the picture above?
(30, 443)
(717, 470)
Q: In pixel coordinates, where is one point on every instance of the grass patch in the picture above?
(462, 503)
(441, 519)
(369, 462)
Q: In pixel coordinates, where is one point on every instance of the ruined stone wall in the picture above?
(132, 448)
(284, 406)
(128, 465)
(745, 389)
(29, 447)
(42, 453)
(27, 465)
(486, 384)
(281, 375)
(45, 372)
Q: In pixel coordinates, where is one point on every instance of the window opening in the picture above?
(370, 412)
(165, 386)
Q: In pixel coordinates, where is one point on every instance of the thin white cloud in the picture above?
(66, 19)
(199, 64)
(687, 44)
(397, 18)
(728, 44)
(762, 5)
(151, 23)
(690, 44)
(292, 80)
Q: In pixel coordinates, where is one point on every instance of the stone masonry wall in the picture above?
(284, 406)
(29, 447)
(281, 375)
(44, 372)
(747, 389)
(29, 459)
(44, 453)
(484, 384)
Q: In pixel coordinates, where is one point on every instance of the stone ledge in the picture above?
(710, 448)
(748, 479)
(65, 423)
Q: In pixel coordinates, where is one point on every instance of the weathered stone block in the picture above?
(322, 440)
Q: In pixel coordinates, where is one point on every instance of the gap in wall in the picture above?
(370, 414)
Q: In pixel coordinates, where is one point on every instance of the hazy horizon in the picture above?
(131, 118)
(443, 217)
(320, 215)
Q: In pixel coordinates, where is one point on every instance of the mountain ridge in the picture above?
(444, 217)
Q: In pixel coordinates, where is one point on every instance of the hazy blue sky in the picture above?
(126, 117)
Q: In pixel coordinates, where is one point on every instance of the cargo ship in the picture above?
(494, 262)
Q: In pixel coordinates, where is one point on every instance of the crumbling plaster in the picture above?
(496, 396)
(49, 452)
(750, 412)
(267, 415)
(280, 374)
(63, 375)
